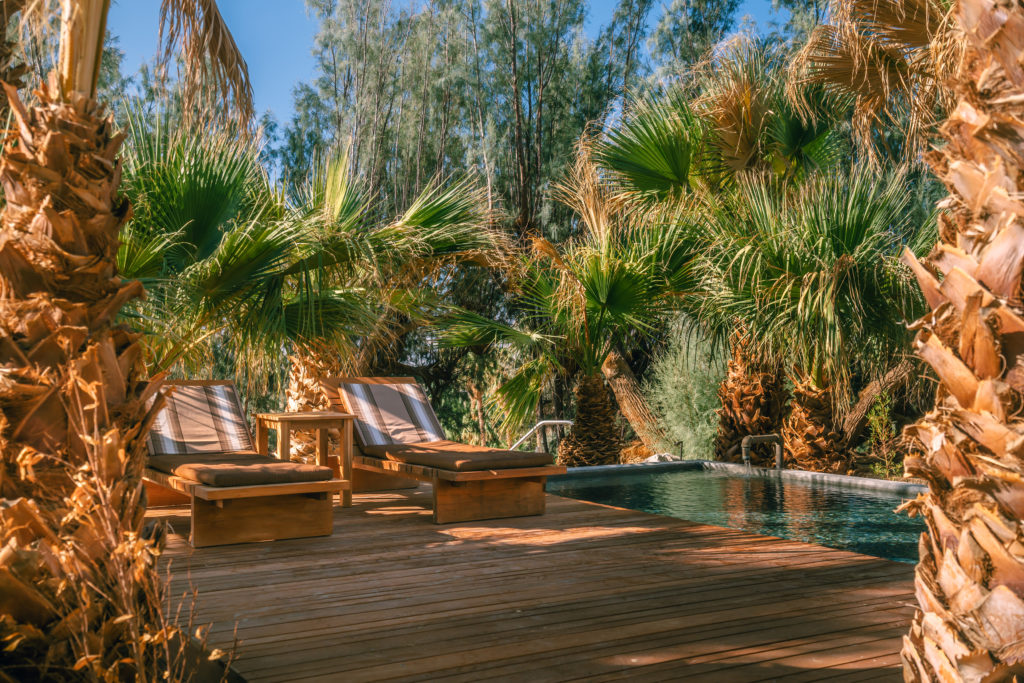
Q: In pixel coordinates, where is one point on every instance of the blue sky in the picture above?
(276, 38)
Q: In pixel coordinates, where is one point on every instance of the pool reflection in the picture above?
(862, 521)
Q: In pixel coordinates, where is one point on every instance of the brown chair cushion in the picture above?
(237, 470)
(450, 455)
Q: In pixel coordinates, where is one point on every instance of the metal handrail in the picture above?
(542, 424)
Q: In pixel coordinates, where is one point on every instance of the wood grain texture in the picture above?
(584, 592)
(468, 501)
(367, 481)
(248, 520)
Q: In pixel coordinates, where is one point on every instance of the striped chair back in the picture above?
(388, 410)
(201, 417)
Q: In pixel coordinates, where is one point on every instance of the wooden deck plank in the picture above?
(516, 626)
(554, 613)
(585, 591)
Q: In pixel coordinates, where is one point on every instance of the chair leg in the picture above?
(466, 501)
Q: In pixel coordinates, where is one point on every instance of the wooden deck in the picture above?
(584, 592)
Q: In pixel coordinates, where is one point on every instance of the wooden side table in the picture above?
(319, 421)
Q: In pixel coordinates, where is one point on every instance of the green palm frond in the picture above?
(654, 152)
(518, 397)
(814, 273)
(192, 184)
(142, 252)
(468, 329)
(754, 125)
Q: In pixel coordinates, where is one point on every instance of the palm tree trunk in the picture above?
(594, 437)
(632, 403)
(753, 397)
(304, 394)
(73, 405)
(809, 432)
(477, 411)
(970, 578)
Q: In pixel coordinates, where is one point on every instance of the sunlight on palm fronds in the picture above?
(892, 58)
(655, 149)
(753, 126)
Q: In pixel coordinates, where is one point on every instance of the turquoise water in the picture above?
(837, 517)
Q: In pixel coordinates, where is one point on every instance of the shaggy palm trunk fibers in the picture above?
(809, 433)
(307, 368)
(78, 582)
(752, 397)
(970, 579)
(594, 438)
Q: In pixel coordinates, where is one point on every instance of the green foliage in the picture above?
(625, 273)
(683, 391)
(755, 125)
(814, 269)
(228, 261)
(883, 439)
(654, 151)
(687, 30)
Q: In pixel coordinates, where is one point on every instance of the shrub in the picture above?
(682, 389)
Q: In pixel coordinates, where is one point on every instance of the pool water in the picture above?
(837, 517)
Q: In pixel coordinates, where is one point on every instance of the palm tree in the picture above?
(812, 272)
(577, 302)
(394, 264)
(207, 238)
(754, 125)
(688, 145)
(80, 579)
(970, 621)
(753, 397)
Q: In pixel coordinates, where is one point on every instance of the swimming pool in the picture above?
(813, 509)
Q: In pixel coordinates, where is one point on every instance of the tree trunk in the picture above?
(303, 394)
(12, 64)
(632, 402)
(855, 420)
(753, 397)
(594, 437)
(970, 578)
(73, 408)
(477, 411)
(809, 433)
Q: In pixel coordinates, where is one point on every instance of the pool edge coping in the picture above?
(904, 488)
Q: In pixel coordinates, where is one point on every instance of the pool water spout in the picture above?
(751, 440)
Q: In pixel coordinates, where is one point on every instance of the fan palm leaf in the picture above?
(655, 150)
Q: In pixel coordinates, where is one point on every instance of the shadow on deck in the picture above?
(584, 592)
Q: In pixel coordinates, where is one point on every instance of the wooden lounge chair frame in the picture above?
(458, 496)
(224, 515)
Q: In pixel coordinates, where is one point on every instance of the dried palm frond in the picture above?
(75, 406)
(891, 57)
(209, 50)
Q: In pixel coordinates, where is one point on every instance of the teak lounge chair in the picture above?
(398, 437)
(200, 447)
